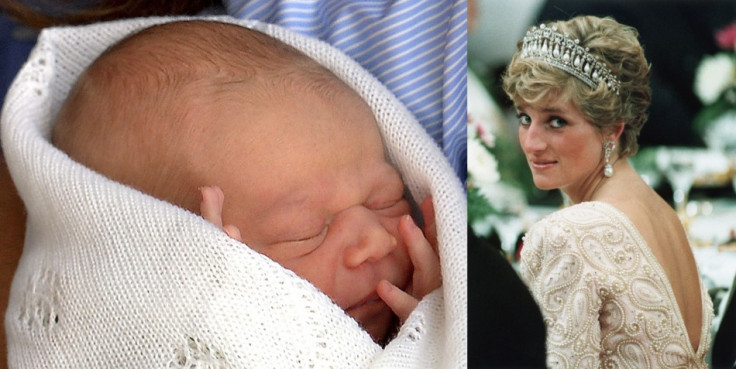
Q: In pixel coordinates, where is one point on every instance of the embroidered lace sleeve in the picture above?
(566, 291)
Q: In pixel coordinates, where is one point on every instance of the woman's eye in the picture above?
(524, 119)
(557, 123)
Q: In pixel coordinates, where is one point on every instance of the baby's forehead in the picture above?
(326, 112)
(245, 73)
(172, 60)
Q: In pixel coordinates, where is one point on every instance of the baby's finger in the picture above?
(430, 224)
(400, 302)
(211, 205)
(233, 232)
(426, 262)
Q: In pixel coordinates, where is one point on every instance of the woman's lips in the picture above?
(542, 164)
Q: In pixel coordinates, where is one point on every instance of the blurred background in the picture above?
(16, 42)
(687, 148)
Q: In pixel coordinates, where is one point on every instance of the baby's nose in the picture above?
(372, 244)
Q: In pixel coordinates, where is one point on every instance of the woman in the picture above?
(613, 273)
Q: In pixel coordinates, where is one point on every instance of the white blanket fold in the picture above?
(111, 277)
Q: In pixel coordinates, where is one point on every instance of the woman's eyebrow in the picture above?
(554, 109)
(546, 109)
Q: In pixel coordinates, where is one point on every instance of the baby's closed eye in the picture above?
(298, 244)
(313, 236)
(390, 208)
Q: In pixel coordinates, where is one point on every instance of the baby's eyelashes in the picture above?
(387, 204)
(296, 246)
(322, 233)
(394, 208)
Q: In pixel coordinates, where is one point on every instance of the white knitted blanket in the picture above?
(113, 278)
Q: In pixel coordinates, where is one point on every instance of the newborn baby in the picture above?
(199, 106)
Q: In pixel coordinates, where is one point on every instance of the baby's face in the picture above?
(307, 183)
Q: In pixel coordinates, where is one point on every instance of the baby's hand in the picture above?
(211, 209)
(423, 252)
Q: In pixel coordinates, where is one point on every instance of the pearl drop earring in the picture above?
(608, 148)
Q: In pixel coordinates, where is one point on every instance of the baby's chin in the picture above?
(377, 319)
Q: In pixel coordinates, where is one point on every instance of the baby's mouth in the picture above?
(367, 300)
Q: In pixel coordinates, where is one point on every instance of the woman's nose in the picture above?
(372, 243)
(531, 138)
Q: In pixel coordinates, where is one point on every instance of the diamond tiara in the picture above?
(564, 53)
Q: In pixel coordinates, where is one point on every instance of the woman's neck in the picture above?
(596, 185)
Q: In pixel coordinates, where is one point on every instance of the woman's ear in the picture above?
(616, 131)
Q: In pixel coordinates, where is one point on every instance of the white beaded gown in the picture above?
(606, 301)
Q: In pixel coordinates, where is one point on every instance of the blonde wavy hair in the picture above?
(530, 81)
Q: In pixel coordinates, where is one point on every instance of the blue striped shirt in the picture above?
(417, 48)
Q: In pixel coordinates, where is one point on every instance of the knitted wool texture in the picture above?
(111, 277)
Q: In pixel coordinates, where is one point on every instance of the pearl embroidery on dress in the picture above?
(605, 299)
